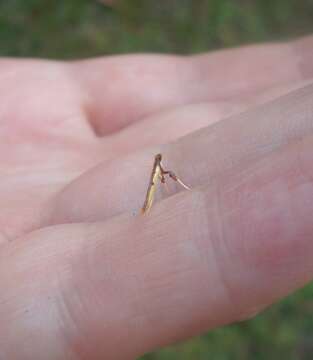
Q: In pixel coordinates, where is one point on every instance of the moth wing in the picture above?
(151, 190)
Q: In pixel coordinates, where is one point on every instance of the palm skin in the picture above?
(47, 140)
(44, 142)
(79, 269)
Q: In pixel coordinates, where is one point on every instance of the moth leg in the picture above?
(163, 181)
(162, 177)
(177, 179)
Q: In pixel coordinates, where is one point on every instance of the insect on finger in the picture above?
(158, 173)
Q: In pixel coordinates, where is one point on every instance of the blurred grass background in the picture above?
(80, 28)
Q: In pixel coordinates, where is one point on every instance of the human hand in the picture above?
(82, 275)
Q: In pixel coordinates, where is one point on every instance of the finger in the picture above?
(200, 259)
(34, 211)
(118, 186)
(25, 204)
(167, 126)
(164, 127)
(109, 93)
(121, 90)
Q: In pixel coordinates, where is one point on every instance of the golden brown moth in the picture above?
(158, 173)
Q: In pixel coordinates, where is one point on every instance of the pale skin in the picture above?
(82, 274)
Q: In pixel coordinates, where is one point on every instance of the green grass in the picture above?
(285, 331)
(77, 28)
(80, 28)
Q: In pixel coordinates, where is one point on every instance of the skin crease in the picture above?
(82, 275)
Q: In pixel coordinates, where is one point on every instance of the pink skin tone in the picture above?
(82, 275)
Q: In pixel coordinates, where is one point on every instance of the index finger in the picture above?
(119, 186)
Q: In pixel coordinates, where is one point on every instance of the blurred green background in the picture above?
(80, 28)
(77, 28)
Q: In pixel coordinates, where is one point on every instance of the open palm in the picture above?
(79, 268)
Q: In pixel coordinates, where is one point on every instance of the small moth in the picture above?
(158, 173)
